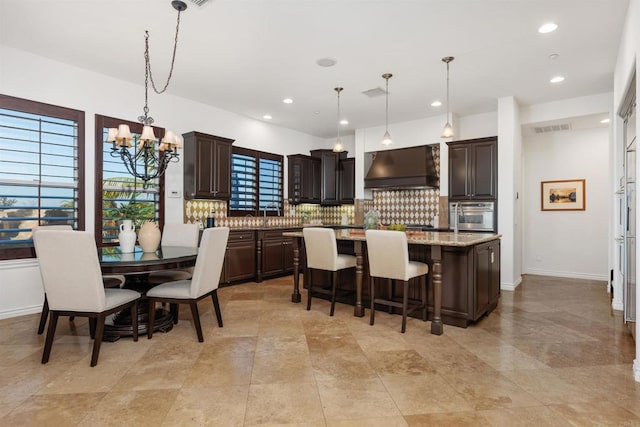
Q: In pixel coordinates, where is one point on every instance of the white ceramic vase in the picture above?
(149, 237)
(127, 236)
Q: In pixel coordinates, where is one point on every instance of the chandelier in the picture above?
(146, 161)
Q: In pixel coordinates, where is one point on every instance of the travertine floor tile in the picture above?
(552, 353)
(352, 399)
(283, 403)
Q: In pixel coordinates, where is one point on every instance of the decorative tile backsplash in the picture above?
(409, 206)
(293, 215)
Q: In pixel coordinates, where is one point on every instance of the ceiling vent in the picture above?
(199, 2)
(375, 92)
(553, 128)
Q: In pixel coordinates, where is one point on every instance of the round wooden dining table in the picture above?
(136, 266)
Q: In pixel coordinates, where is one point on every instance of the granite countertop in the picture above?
(440, 238)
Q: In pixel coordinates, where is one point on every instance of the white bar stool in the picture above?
(322, 254)
(388, 254)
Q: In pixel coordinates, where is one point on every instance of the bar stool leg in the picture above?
(372, 287)
(405, 303)
(423, 295)
(309, 287)
(334, 282)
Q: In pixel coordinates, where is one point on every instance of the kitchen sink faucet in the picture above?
(267, 206)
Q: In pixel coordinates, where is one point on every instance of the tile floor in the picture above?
(552, 354)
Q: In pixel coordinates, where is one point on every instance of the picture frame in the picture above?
(563, 195)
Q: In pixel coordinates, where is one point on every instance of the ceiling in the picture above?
(246, 56)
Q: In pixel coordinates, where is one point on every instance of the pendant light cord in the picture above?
(338, 121)
(386, 126)
(447, 92)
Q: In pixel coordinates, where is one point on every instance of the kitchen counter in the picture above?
(435, 241)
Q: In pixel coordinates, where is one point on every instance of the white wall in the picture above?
(37, 78)
(567, 243)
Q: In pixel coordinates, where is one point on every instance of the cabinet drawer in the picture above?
(235, 236)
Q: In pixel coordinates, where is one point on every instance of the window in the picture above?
(123, 196)
(41, 171)
(256, 183)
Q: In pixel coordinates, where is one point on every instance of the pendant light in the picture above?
(386, 139)
(447, 131)
(338, 147)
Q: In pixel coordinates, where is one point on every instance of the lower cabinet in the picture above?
(240, 259)
(275, 254)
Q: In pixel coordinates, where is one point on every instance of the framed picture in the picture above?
(564, 195)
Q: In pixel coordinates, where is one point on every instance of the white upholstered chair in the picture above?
(185, 235)
(388, 254)
(109, 281)
(322, 254)
(205, 280)
(73, 282)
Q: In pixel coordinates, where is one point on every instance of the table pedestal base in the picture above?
(121, 323)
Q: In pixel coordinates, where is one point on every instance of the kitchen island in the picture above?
(471, 262)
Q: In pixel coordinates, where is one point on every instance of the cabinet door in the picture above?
(204, 178)
(222, 170)
(459, 170)
(484, 170)
(294, 165)
(240, 261)
(482, 279)
(311, 183)
(494, 284)
(329, 178)
(272, 256)
(347, 180)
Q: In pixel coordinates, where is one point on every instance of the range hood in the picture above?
(411, 167)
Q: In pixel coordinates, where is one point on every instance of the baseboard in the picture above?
(511, 286)
(23, 311)
(566, 274)
(617, 305)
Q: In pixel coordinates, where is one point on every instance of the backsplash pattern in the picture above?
(411, 206)
(293, 215)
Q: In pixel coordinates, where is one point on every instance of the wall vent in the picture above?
(375, 92)
(553, 128)
(199, 2)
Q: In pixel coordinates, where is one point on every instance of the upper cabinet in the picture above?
(328, 175)
(304, 179)
(207, 166)
(473, 169)
(347, 180)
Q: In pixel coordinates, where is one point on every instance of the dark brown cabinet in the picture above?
(329, 173)
(487, 277)
(240, 259)
(304, 179)
(207, 166)
(347, 180)
(275, 253)
(473, 169)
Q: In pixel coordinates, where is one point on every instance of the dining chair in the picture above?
(185, 235)
(109, 280)
(388, 253)
(322, 254)
(205, 281)
(73, 282)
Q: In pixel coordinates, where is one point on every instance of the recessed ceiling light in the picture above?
(267, 117)
(326, 62)
(605, 121)
(344, 122)
(288, 101)
(548, 28)
(436, 104)
(557, 79)
(554, 56)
